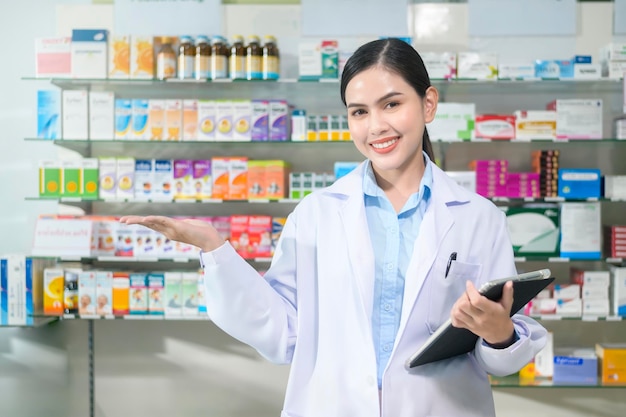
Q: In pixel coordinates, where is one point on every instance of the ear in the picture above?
(430, 100)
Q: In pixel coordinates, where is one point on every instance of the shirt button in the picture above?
(393, 230)
(387, 347)
(389, 266)
(387, 307)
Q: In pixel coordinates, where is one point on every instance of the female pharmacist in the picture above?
(360, 276)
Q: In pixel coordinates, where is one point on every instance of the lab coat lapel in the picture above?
(354, 221)
(435, 225)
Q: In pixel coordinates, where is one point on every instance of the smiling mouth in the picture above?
(385, 144)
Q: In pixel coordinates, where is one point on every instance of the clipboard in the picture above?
(448, 341)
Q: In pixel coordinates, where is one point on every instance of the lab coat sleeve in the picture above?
(259, 311)
(532, 336)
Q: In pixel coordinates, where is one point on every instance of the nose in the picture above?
(377, 123)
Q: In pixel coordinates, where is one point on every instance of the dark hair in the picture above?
(396, 56)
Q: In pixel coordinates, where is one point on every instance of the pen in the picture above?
(452, 258)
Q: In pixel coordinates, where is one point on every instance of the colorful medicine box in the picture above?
(579, 183)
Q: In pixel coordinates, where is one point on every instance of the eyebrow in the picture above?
(383, 98)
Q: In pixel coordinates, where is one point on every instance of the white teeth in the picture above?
(384, 144)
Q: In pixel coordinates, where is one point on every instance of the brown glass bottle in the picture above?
(202, 69)
(166, 59)
(254, 57)
(270, 62)
(219, 58)
(186, 57)
(237, 59)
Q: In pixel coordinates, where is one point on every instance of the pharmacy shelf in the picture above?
(204, 317)
(133, 317)
(139, 259)
(558, 259)
(565, 83)
(514, 381)
(589, 318)
(183, 260)
(70, 200)
(501, 200)
(36, 321)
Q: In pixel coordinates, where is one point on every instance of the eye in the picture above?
(358, 112)
(392, 104)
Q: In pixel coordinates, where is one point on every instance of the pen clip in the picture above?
(452, 258)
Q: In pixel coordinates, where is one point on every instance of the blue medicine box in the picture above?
(579, 183)
(580, 370)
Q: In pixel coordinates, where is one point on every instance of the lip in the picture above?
(383, 140)
(388, 149)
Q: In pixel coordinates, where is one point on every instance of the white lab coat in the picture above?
(313, 309)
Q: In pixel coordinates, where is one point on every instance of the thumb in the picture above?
(507, 297)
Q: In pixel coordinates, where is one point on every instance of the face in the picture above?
(387, 117)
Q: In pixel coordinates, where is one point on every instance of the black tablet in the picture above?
(448, 341)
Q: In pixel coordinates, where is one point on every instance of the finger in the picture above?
(507, 297)
(473, 296)
(131, 219)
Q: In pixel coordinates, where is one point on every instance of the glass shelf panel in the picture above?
(514, 381)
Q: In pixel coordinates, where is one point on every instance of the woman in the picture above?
(360, 276)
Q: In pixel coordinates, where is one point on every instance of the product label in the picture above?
(270, 68)
(166, 66)
(254, 69)
(185, 66)
(237, 67)
(218, 66)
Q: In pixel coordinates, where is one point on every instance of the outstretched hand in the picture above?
(488, 319)
(191, 231)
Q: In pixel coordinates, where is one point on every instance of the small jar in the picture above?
(237, 59)
(270, 62)
(254, 57)
(166, 59)
(186, 58)
(202, 67)
(219, 58)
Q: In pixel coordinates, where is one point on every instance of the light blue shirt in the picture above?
(393, 236)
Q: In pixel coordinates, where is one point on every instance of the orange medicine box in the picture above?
(276, 179)
(612, 362)
(53, 286)
(219, 175)
(121, 293)
(237, 178)
(256, 180)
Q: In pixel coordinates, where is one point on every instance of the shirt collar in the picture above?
(371, 188)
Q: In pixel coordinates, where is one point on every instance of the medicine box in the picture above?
(612, 362)
(580, 183)
(53, 57)
(48, 114)
(534, 231)
(89, 53)
(575, 368)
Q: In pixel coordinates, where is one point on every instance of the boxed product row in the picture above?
(562, 119)
(489, 66)
(491, 178)
(21, 288)
(603, 363)
(97, 115)
(253, 236)
(228, 178)
(565, 230)
(89, 292)
(95, 53)
(588, 293)
(221, 178)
